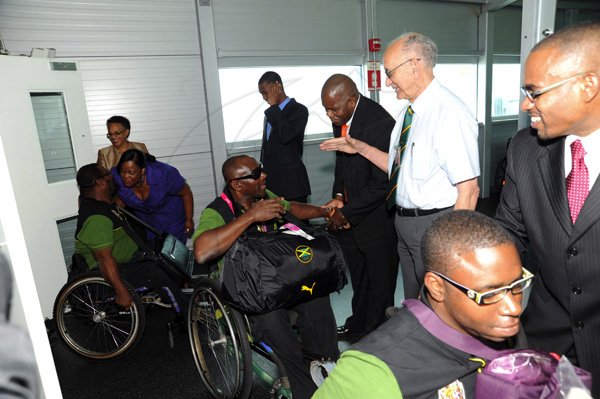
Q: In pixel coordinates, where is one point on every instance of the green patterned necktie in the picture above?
(393, 184)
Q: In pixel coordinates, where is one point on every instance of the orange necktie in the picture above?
(344, 130)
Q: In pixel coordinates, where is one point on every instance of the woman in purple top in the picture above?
(156, 192)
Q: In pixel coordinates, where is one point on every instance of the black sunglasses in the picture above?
(254, 175)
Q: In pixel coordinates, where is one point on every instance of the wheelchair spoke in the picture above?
(221, 354)
(83, 302)
(92, 324)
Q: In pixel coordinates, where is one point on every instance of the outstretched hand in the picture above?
(268, 209)
(346, 144)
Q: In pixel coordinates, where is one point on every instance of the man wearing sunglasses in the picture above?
(473, 287)
(246, 204)
(551, 200)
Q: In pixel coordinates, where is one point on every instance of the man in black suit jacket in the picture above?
(562, 97)
(365, 226)
(283, 140)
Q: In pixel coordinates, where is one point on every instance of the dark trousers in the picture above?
(317, 331)
(410, 230)
(147, 274)
(373, 276)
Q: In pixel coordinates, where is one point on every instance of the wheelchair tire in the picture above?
(91, 323)
(220, 345)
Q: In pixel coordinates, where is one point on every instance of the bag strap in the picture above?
(140, 221)
(143, 245)
(293, 219)
(436, 327)
(225, 198)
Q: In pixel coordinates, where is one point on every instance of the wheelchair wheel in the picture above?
(91, 323)
(220, 345)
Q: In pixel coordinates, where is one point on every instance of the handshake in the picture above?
(334, 216)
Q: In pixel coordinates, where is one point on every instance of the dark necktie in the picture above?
(578, 181)
(400, 148)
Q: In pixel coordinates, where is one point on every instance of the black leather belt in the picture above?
(418, 212)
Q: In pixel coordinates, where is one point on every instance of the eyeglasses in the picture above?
(533, 94)
(254, 175)
(102, 176)
(390, 72)
(115, 134)
(493, 296)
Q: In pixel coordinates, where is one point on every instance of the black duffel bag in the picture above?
(267, 271)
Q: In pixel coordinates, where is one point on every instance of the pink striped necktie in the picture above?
(578, 180)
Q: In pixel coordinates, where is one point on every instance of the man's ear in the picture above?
(435, 286)
(235, 185)
(592, 86)
(352, 101)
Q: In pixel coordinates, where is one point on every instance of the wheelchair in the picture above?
(222, 347)
(93, 325)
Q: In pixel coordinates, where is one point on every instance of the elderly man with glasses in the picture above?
(551, 201)
(433, 158)
(246, 204)
(473, 288)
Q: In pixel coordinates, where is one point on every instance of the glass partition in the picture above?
(54, 135)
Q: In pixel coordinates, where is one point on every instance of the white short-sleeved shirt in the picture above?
(441, 151)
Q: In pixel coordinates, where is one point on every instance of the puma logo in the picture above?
(305, 288)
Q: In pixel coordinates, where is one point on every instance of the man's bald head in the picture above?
(339, 97)
(580, 41)
(232, 166)
(339, 85)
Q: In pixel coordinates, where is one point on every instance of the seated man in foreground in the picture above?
(247, 204)
(103, 241)
(474, 285)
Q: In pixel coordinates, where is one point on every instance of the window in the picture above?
(505, 89)
(460, 79)
(66, 232)
(53, 133)
(243, 106)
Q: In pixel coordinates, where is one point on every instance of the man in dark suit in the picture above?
(551, 201)
(283, 140)
(364, 224)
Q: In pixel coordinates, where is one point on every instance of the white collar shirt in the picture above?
(441, 151)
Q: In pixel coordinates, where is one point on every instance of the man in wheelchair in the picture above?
(247, 204)
(104, 242)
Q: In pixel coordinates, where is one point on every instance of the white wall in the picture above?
(140, 59)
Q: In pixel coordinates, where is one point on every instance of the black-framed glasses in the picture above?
(391, 71)
(102, 176)
(254, 174)
(496, 295)
(115, 134)
(533, 94)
